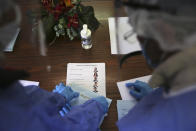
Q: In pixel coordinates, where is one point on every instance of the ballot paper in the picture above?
(29, 83)
(124, 91)
(90, 76)
(84, 96)
(124, 29)
(10, 46)
(124, 106)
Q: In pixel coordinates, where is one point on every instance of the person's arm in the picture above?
(40, 110)
(85, 117)
(82, 117)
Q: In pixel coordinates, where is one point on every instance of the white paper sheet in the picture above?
(124, 46)
(10, 46)
(90, 76)
(124, 106)
(85, 95)
(29, 83)
(124, 91)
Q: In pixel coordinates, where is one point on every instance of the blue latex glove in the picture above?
(139, 89)
(102, 100)
(66, 91)
(65, 110)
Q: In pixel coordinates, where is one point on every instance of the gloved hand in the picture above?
(139, 89)
(66, 109)
(66, 91)
(102, 100)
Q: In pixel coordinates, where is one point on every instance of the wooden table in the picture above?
(65, 51)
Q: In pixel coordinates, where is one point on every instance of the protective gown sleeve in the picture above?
(156, 112)
(39, 109)
(85, 117)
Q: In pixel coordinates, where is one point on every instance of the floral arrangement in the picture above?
(66, 17)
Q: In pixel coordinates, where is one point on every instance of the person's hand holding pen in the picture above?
(139, 89)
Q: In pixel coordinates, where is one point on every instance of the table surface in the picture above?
(64, 51)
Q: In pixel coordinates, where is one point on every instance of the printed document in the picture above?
(127, 39)
(124, 91)
(29, 83)
(124, 106)
(90, 76)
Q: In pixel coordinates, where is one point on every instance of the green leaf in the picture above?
(48, 23)
(69, 34)
(55, 2)
(86, 15)
(74, 33)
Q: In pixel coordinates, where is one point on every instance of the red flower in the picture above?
(58, 10)
(73, 21)
(47, 4)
